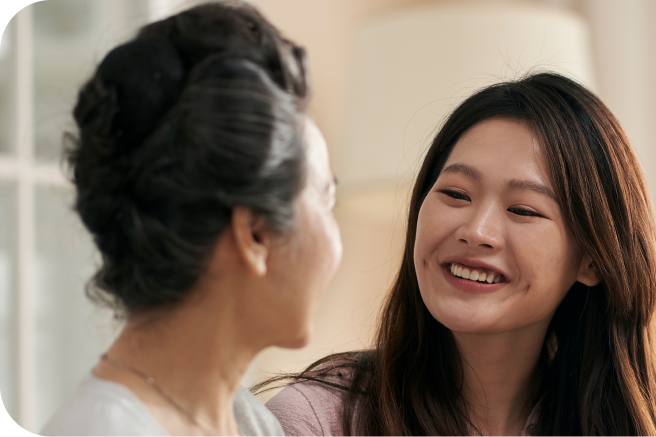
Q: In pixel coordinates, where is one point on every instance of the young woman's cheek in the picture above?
(543, 256)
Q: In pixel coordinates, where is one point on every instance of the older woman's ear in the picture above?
(252, 240)
(588, 273)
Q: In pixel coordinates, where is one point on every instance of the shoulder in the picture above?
(253, 418)
(310, 408)
(101, 407)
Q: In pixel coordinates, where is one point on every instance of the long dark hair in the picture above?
(595, 374)
(199, 113)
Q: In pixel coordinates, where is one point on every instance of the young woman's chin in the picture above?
(467, 322)
(486, 317)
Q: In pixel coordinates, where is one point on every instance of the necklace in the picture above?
(151, 382)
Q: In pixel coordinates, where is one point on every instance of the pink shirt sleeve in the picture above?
(307, 408)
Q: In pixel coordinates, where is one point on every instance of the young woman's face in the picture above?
(492, 252)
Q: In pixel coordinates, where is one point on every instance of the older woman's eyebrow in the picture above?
(532, 186)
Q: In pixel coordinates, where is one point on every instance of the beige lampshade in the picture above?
(410, 68)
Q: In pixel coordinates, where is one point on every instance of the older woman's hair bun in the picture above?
(199, 113)
(145, 78)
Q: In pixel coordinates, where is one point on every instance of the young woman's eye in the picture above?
(455, 195)
(524, 212)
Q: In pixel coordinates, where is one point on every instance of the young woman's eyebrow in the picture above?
(516, 184)
(464, 169)
(532, 186)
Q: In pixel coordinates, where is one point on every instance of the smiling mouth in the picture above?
(476, 274)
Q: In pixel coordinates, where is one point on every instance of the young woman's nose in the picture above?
(481, 228)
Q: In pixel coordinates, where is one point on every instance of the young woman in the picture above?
(209, 195)
(524, 299)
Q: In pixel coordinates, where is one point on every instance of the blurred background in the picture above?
(385, 73)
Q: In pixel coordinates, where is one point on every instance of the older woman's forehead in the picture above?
(317, 149)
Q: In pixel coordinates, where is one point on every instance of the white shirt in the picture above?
(101, 407)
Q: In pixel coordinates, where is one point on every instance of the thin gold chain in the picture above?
(151, 382)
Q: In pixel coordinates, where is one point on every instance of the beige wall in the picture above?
(624, 43)
(623, 39)
(326, 28)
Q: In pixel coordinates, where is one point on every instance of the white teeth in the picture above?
(474, 275)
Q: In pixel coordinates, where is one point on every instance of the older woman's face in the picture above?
(313, 249)
(492, 252)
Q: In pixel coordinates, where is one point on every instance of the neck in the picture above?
(498, 374)
(198, 357)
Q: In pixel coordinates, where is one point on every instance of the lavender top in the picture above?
(309, 408)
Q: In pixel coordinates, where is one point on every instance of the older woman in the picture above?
(208, 192)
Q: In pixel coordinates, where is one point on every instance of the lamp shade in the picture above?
(410, 68)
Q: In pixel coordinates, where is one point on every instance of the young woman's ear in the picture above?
(252, 241)
(588, 273)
